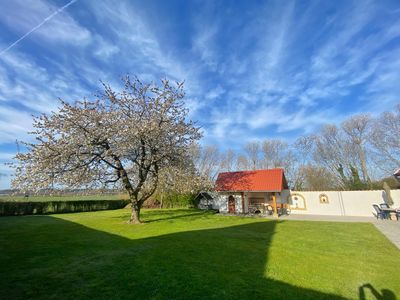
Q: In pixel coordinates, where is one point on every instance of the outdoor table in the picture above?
(391, 211)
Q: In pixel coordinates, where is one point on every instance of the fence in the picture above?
(339, 203)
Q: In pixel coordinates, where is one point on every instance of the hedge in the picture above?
(179, 201)
(13, 208)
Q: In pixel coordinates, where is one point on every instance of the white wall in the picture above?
(221, 203)
(283, 196)
(341, 203)
(344, 203)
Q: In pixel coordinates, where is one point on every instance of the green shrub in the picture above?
(179, 201)
(12, 208)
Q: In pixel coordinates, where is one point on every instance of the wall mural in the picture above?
(297, 201)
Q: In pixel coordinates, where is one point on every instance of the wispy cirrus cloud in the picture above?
(302, 71)
(43, 20)
(252, 70)
(14, 124)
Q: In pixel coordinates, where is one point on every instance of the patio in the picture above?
(390, 229)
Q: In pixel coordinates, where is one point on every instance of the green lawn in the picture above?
(191, 254)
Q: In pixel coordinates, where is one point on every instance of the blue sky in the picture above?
(253, 69)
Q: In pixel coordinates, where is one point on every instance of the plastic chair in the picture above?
(379, 213)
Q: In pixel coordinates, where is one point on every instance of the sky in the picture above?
(252, 69)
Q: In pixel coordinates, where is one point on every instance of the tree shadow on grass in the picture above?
(61, 259)
(155, 215)
(175, 215)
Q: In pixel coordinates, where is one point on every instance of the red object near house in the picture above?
(271, 180)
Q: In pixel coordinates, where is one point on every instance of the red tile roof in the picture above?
(272, 180)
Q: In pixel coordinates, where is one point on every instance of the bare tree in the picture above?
(253, 151)
(207, 160)
(385, 139)
(122, 139)
(317, 178)
(228, 160)
(242, 163)
(332, 151)
(305, 146)
(356, 129)
(302, 149)
(275, 153)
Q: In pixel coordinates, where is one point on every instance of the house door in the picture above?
(231, 204)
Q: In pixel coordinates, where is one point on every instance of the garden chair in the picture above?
(384, 205)
(270, 210)
(379, 213)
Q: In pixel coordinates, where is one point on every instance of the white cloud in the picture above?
(104, 49)
(259, 78)
(215, 92)
(203, 42)
(14, 124)
(6, 156)
(142, 50)
(136, 38)
(26, 82)
(22, 16)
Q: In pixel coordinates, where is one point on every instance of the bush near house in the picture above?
(175, 200)
(172, 200)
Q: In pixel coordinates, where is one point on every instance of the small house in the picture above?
(205, 199)
(251, 191)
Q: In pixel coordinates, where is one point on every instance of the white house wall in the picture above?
(344, 203)
(221, 203)
(282, 197)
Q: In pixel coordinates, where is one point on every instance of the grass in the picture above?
(45, 198)
(190, 254)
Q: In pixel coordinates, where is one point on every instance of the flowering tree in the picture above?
(122, 138)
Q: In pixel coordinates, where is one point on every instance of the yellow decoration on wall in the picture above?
(297, 201)
(323, 199)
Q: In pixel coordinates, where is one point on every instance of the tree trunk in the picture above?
(363, 164)
(135, 215)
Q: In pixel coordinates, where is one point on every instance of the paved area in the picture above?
(390, 228)
(328, 218)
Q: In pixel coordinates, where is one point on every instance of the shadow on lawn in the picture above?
(61, 259)
(177, 214)
(384, 295)
(154, 215)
